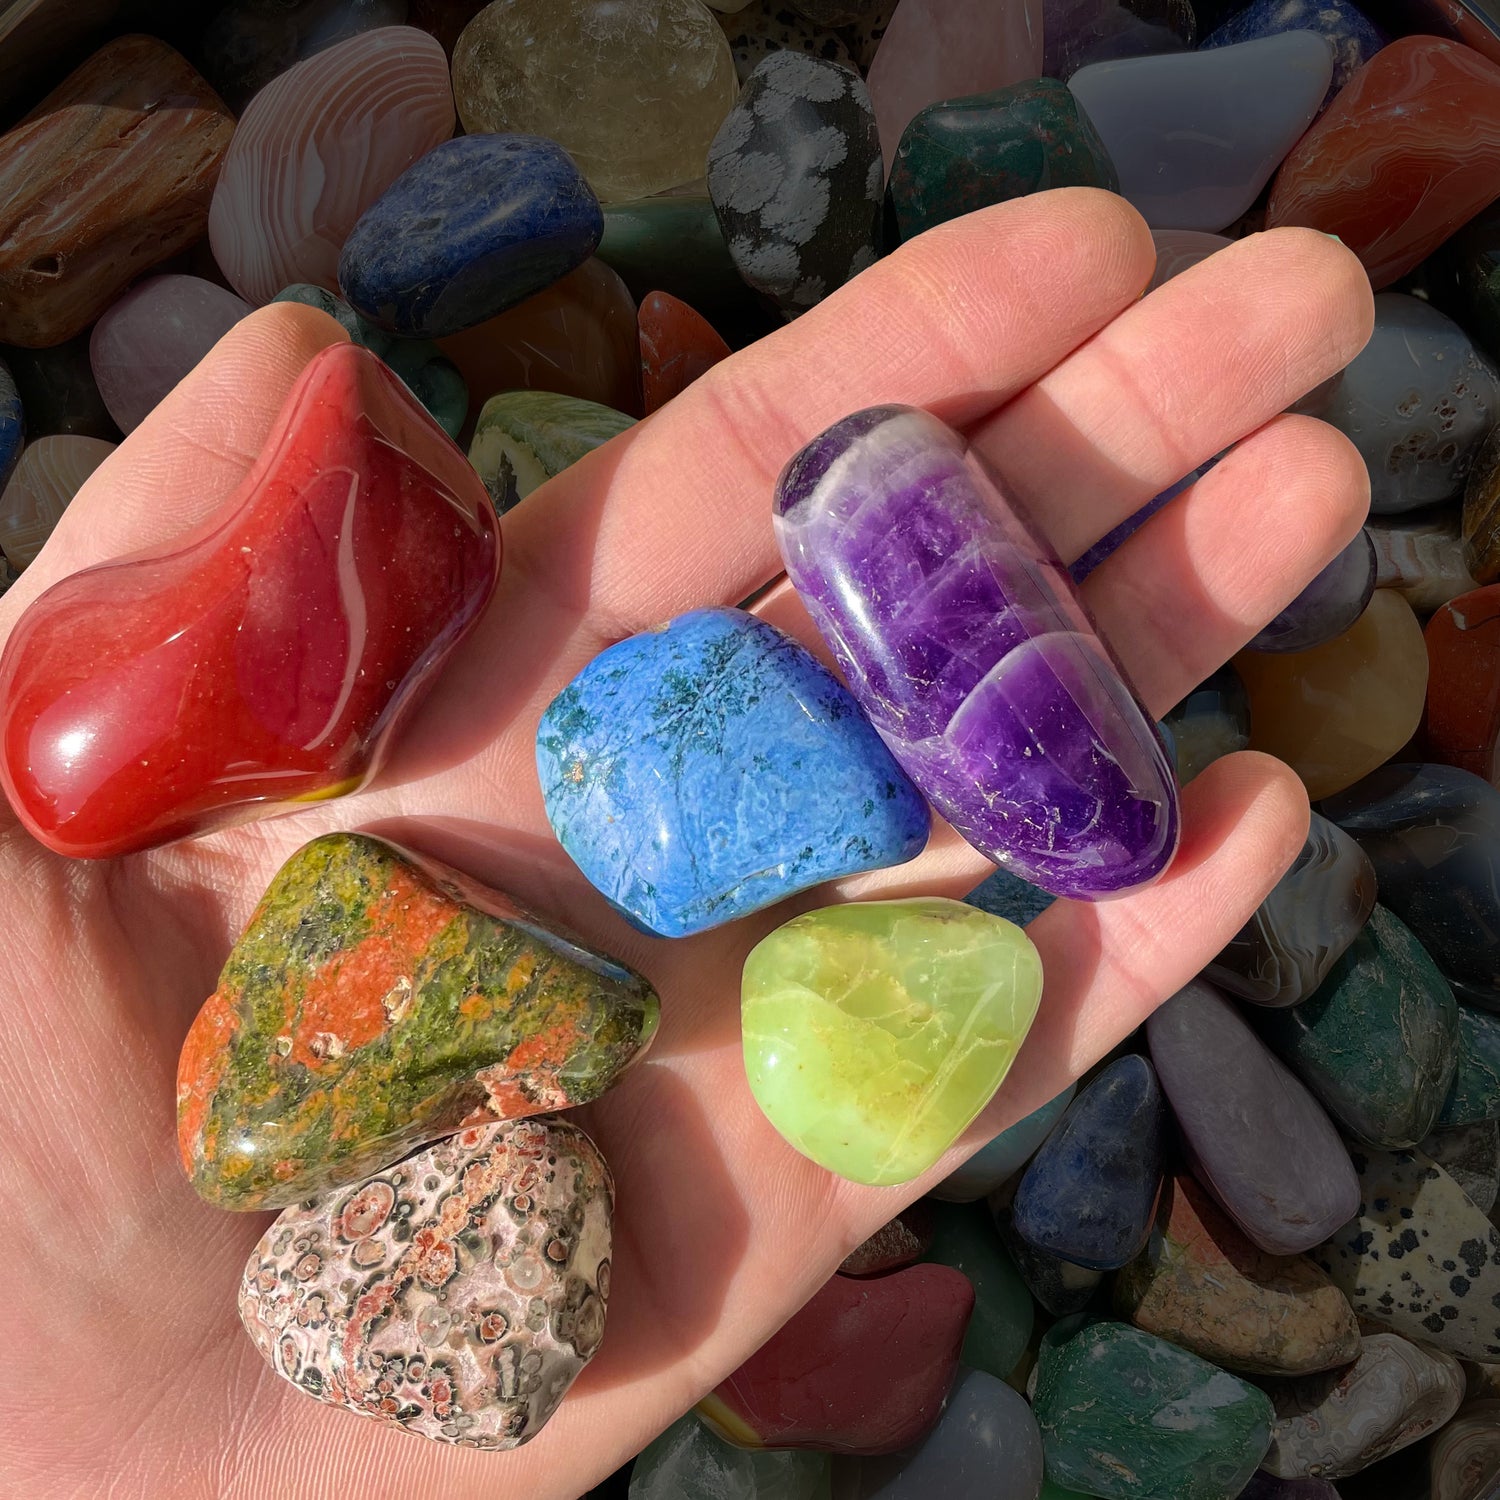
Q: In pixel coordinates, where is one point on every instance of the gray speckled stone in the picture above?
(1470, 1155)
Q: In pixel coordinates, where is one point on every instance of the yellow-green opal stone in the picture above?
(875, 1032)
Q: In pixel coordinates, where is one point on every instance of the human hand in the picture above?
(1021, 324)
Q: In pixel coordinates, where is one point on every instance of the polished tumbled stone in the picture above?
(12, 424)
(899, 1242)
(795, 177)
(1284, 952)
(1058, 1285)
(970, 649)
(1090, 1192)
(1470, 1155)
(1007, 1153)
(964, 1237)
(470, 229)
(1475, 1095)
(1465, 1456)
(1422, 554)
(712, 767)
(1128, 1416)
(1257, 1139)
(1355, 38)
(524, 438)
(688, 1462)
(1378, 1041)
(963, 154)
(1211, 722)
(874, 1032)
(1328, 606)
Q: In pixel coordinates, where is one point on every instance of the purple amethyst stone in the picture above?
(966, 643)
(1328, 606)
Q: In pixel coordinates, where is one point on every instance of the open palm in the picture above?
(130, 1375)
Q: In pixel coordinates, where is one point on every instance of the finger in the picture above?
(190, 453)
(1202, 361)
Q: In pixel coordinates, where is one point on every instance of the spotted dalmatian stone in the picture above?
(795, 175)
(864, 35)
(766, 26)
(1419, 1258)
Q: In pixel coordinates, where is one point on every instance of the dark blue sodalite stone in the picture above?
(710, 768)
(477, 225)
(1090, 1192)
(1005, 895)
(12, 424)
(1354, 37)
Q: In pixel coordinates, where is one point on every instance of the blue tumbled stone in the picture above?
(1003, 894)
(1090, 1192)
(12, 424)
(477, 225)
(1354, 36)
(710, 768)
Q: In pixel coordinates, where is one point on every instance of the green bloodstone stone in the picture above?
(962, 154)
(523, 438)
(1475, 1095)
(428, 374)
(374, 1002)
(964, 1237)
(1125, 1414)
(1377, 1041)
(875, 1032)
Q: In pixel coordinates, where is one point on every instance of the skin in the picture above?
(1023, 324)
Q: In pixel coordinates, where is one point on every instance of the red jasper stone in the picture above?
(906, 1238)
(271, 655)
(865, 1367)
(1463, 682)
(677, 346)
(1408, 150)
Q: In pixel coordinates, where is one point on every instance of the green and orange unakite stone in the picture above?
(377, 1001)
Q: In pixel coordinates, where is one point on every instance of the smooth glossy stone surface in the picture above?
(963, 154)
(969, 647)
(1328, 606)
(1417, 402)
(100, 183)
(316, 147)
(1355, 39)
(578, 338)
(768, 26)
(269, 658)
(1393, 1395)
(677, 346)
(1195, 136)
(376, 1001)
(470, 229)
(1200, 1284)
(1004, 1156)
(524, 438)
(431, 377)
(1475, 1095)
(1211, 722)
(1338, 711)
(1284, 952)
(1406, 153)
(864, 1367)
(1059, 1286)
(1256, 1138)
(1179, 250)
(964, 1237)
(1419, 1257)
(1465, 1456)
(58, 392)
(633, 93)
(12, 424)
(710, 768)
(1078, 32)
(153, 336)
(1463, 683)
(688, 1462)
(1433, 835)
(1124, 1414)
(1470, 1155)
(986, 1443)
(1421, 555)
(905, 1239)
(456, 1296)
(1090, 1191)
(50, 472)
(795, 178)
(1378, 1041)
(875, 1031)
(948, 49)
(249, 42)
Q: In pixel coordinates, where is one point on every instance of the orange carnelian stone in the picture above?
(1463, 682)
(268, 657)
(677, 346)
(1407, 151)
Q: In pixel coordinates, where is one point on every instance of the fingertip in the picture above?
(1261, 801)
(1313, 259)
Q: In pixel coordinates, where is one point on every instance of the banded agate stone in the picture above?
(1423, 555)
(1463, 683)
(967, 644)
(1465, 1455)
(51, 471)
(376, 1001)
(875, 1031)
(268, 658)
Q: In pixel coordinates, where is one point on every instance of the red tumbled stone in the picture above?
(677, 346)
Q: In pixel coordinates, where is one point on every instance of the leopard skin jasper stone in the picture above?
(379, 1000)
